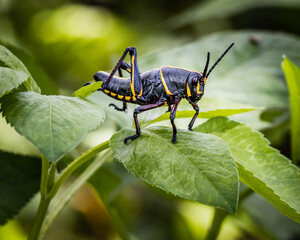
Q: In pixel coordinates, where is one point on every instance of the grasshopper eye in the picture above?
(195, 80)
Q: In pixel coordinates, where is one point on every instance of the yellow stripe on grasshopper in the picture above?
(164, 83)
(198, 88)
(188, 90)
(120, 97)
(132, 77)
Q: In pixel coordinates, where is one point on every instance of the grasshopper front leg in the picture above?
(196, 108)
(172, 117)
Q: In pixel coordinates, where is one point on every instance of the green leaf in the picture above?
(87, 90)
(63, 197)
(220, 9)
(109, 180)
(11, 61)
(198, 167)
(249, 73)
(10, 79)
(292, 75)
(209, 107)
(260, 166)
(20, 179)
(41, 77)
(54, 124)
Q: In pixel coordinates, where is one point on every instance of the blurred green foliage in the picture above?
(65, 42)
(292, 74)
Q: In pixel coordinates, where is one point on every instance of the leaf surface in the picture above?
(198, 167)
(54, 124)
(20, 179)
(220, 9)
(260, 166)
(87, 90)
(249, 73)
(10, 79)
(292, 75)
(209, 107)
(11, 61)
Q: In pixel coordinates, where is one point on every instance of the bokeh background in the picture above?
(64, 42)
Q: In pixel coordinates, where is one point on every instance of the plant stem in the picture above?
(44, 201)
(49, 187)
(214, 230)
(244, 194)
(61, 200)
(118, 222)
(45, 167)
(39, 218)
(51, 177)
(76, 164)
(220, 215)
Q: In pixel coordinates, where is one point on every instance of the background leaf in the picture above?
(209, 107)
(219, 9)
(20, 179)
(11, 61)
(10, 79)
(40, 76)
(87, 90)
(109, 180)
(248, 74)
(198, 167)
(260, 166)
(292, 75)
(54, 124)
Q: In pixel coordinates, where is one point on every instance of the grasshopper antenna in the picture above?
(218, 60)
(206, 66)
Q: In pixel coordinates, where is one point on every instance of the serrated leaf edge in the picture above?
(230, 209)
(275, 151)
(79, 140)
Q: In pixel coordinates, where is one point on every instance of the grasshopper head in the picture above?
(195, 86)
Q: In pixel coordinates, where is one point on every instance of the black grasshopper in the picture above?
(164, 86)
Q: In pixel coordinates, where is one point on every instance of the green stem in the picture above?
(51, 177)
(220, 215)
(49, 187)
(39, 218)
(76, 164)
(214, 230)
(118, 222)
(246, 193)
(47, 178)
(45, 167)
(61, 200)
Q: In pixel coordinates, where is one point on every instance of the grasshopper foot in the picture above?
(174, 138)
(117, 108)
(131, 138)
